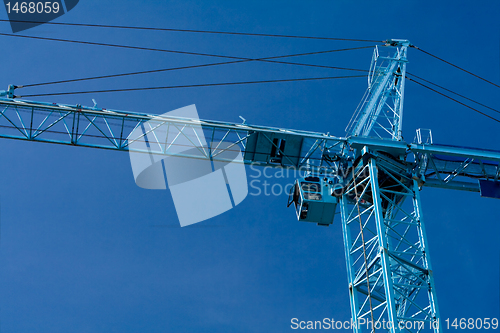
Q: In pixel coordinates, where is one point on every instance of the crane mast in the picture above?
(372, 176)
(391, 284)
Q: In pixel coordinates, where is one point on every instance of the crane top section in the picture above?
(380, 113)
(398, 42)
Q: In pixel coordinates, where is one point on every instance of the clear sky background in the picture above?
(83, 249)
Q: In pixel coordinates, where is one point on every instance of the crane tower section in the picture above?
(380, 112)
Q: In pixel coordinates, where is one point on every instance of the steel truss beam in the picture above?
(110, 129)
(388, 264)
(116, 130)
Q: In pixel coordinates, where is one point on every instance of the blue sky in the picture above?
(83, 249)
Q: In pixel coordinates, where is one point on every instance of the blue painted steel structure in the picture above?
(391, 284)
(372, 175)
(380, 113)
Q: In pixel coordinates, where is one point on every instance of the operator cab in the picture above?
(313, 199)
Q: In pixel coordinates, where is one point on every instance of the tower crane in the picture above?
(372, 176)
